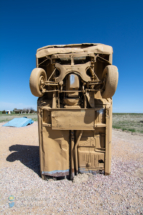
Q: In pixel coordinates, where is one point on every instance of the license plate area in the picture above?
(73, 119)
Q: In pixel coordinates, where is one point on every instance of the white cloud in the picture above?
(11, 106)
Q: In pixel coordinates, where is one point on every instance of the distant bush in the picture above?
(28, 110)
(24, 110)
(32, 110)
(3, 111)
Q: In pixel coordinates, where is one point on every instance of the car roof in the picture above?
(74, 48)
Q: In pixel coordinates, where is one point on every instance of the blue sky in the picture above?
(26, 26)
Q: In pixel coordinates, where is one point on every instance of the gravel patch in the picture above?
(119, 193)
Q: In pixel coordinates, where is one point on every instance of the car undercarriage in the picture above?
(75, 84)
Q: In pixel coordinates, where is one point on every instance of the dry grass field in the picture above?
(8, 117)
(132, 122)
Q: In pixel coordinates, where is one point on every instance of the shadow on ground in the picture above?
(27, 155)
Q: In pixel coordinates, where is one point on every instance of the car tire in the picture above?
(110, 74)
(37, 75)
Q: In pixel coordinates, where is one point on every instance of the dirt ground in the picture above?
(119, 193)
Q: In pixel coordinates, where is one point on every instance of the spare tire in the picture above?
(37, 75)
(110, 74)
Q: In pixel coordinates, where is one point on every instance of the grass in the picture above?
(135, 114)
(132, 122)
(124, 129)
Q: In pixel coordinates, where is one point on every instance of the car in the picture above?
(74, 84)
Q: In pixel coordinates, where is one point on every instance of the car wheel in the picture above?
(38, 75)
(110, 74)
